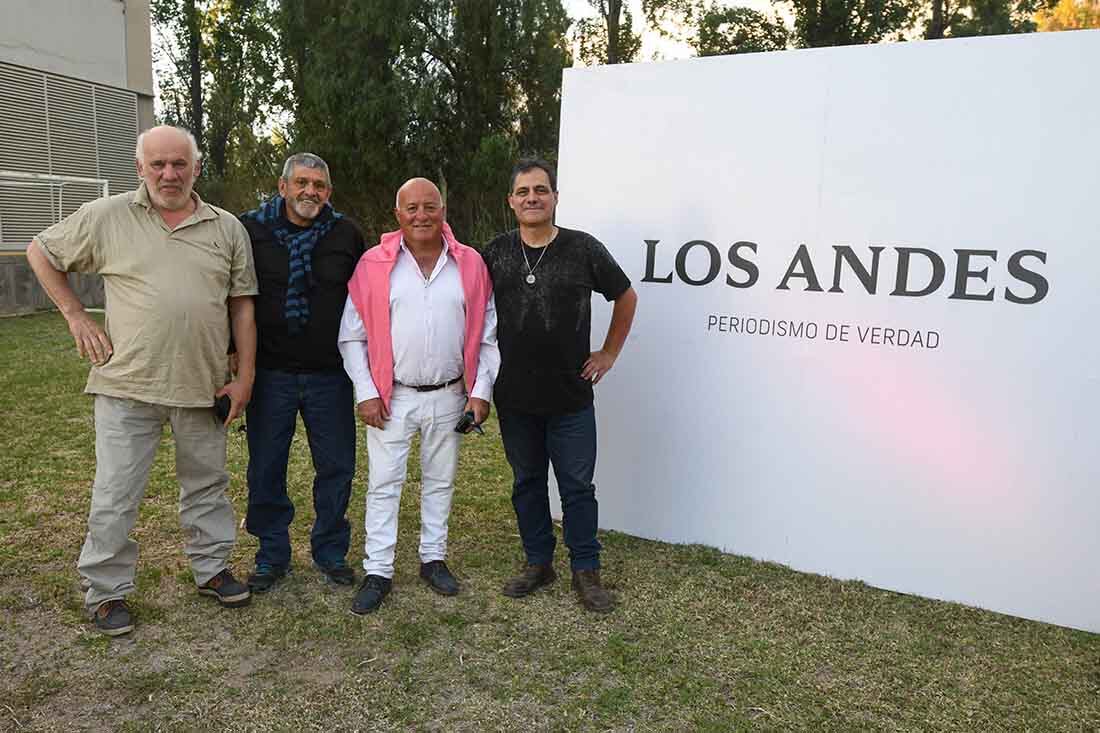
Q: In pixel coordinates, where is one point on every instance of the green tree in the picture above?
(738, 30)
(849, 22)
(448, 89)
(222, 55)
(713, 28)
(609, 38)
(1069, 15)
(982, 17)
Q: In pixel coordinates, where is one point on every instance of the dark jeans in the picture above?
(327, 406)
(532, 442)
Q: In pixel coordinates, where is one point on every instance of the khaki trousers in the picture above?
(127, 433)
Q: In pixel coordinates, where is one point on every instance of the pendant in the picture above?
(530, 279)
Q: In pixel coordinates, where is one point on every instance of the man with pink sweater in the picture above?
(418, 340)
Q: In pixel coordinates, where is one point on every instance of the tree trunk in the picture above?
(614, 14)
(936, 27)
(194, 59)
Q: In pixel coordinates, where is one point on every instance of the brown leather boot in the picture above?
(532, 577)
(593, 596)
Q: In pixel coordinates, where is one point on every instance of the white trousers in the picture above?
(434, 415)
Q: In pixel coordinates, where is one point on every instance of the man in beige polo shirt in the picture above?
(179, 277)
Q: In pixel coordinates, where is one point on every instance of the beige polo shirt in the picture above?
(167, 291)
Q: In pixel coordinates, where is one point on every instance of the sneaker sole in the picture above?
(276, 579)
(596, 609)
(440, 591)
(116, 632)
(266, 587)
(524, 594)
(368, 611)
(262, 589)
(334, 580)
(241, 599)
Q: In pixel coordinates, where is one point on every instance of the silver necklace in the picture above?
(531, 270)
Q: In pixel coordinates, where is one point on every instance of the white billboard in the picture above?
(864, 344)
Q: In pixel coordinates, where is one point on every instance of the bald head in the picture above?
(168, 162)
(419, 185)
(162, 133)
(420, 213)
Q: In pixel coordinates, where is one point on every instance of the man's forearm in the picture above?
(622, 317)
(54, 282)
(243, 323)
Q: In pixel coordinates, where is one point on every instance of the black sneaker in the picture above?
(439, 578)
(338, 573)
(265, 576)
(370, 594)
(230, 592)
(112, 618)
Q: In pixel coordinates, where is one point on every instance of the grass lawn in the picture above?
(700, 641)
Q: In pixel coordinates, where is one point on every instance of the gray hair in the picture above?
(309, 160)
(139, 149)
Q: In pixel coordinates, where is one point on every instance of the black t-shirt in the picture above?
(334, 260)
(544, 328)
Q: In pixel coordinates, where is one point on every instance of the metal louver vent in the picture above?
(22, 121)
(116, 133)
(55, 126)
(25, 210)
(72, 127)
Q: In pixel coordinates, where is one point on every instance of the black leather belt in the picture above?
(430, 387)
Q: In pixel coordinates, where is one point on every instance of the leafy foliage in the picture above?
(849, 22)
(738, 30)
(609, 38)
(223, 55)
(451, 90)
(1069, 15)
(713, 28)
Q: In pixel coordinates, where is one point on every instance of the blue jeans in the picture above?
(532, 443)
(326, 403)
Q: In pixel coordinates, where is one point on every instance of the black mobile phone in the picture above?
(222, 405)
(466, 424)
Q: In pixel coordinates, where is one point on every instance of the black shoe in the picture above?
(370, 594)
(338, 573)
(439, 578)
(112, 618)
(532, 578)
(230, 592)
(265, 576)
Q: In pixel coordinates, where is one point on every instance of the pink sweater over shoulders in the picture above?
(369, 289)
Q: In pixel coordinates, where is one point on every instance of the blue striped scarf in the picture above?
(299, 246)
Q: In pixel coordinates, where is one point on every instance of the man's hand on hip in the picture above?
(599, 363)
(479, 407)
(373, 412)
(240, 392)
(92, 342)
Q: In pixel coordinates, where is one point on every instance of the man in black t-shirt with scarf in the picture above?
(305, 253)
(543, 278)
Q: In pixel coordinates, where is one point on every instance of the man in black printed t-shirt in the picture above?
(543, 278)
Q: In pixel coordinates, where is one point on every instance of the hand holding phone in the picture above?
(466, 424)
(222, 405)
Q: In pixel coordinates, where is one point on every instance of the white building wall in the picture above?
(85, 39)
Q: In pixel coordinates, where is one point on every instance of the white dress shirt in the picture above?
(427, 327)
